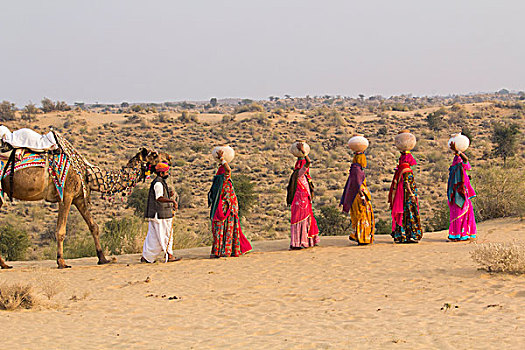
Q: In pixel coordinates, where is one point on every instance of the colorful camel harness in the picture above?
(56, 162)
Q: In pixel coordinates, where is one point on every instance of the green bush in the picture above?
(79, 246)
(123, 236)
(383, 227)
(13, 242)
(441, 218)
(332, 222)
(138, 199)
(244, 189)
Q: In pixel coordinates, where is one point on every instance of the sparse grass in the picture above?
(500, 257)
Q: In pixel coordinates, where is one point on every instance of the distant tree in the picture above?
(271, 98)
(7, 111)
(29, 112)
(503, 92)
(435, 119)
(137, 108)
(62, 106)
(213, 101)
(47, 105)
(187, 117)
(505, 138)
(124, 105)
(361, 97)
(287, 96)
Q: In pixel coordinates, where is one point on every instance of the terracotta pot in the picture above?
(405, 141)
(295, 151)
(358, 143)
(462, 142)
(228, 153)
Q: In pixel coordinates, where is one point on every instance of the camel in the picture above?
(34, 184)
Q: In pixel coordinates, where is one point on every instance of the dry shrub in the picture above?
(500, 257)
(49, 284)
(185, 237)
(500, 192)
(17, 296)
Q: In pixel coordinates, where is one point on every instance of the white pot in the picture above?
(462, 142)
(405, 141)
(358, 143)
(295, 151)
(228, 153)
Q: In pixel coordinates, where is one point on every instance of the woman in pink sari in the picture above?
(459, 193)
(228, 239)
(304, 231)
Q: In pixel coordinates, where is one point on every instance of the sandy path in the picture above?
(334, 296)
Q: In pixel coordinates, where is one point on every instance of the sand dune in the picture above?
(337, 296)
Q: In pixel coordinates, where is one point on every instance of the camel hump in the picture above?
(27, 138)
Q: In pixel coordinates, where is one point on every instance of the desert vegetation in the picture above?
(500, 257)
(261, 132)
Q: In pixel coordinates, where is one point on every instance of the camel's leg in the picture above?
(3, 265)
(63, 212)
(93, 227)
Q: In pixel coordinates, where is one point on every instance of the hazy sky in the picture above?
(142, 51)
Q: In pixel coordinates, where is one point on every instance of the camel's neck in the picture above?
(112, 182)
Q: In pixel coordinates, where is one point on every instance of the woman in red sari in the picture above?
(228, 239)
(304, 231)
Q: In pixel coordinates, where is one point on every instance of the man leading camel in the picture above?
(159, 212)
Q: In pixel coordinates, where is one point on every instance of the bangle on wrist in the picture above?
(223, 161)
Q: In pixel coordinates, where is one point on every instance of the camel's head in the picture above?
(147, 160)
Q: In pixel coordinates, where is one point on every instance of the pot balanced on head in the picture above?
(227, 153)
(358, 143)
(295, 149)
(405, 141)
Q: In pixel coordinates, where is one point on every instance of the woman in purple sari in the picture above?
(357, 200)
(459, 193)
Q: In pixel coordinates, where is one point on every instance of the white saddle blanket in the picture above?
(27, 138)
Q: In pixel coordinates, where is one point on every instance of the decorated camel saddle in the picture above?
(26, 148)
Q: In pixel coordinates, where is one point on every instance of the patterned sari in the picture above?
(459, 194)
(304, 230)
(361, 212)
(406, 223)
(228, 239)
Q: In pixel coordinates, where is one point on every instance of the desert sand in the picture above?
(429, 295)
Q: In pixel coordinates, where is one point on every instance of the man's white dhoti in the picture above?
(158, 240)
